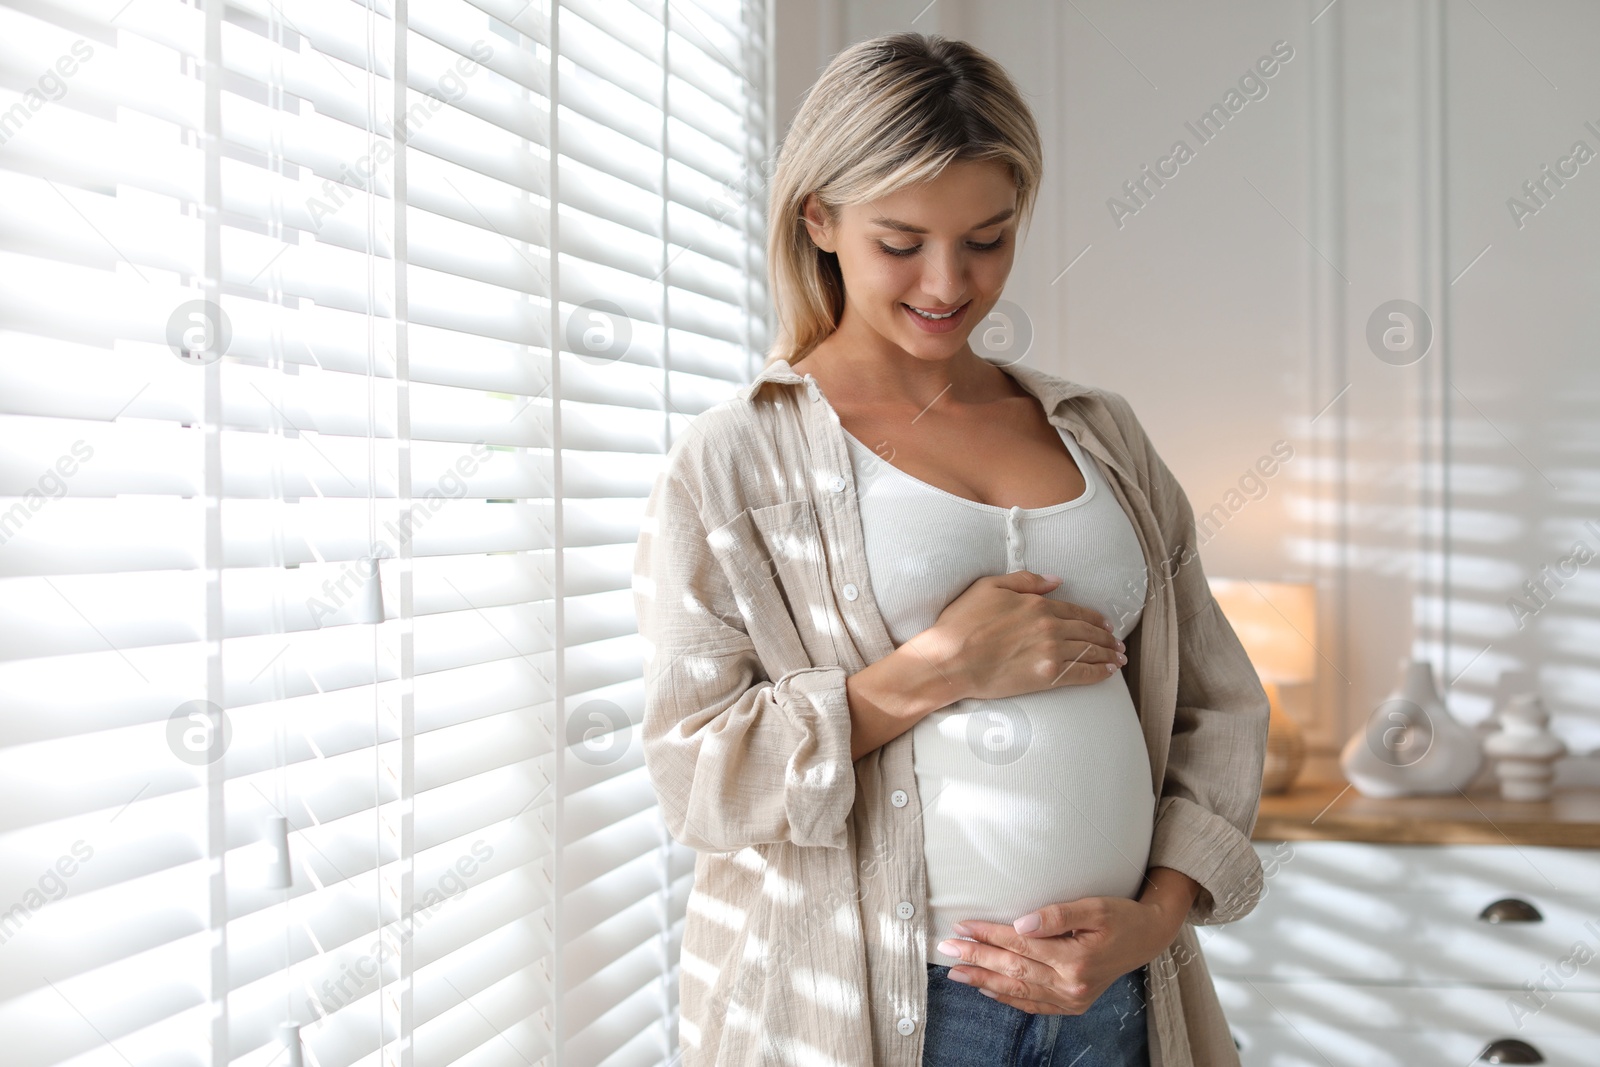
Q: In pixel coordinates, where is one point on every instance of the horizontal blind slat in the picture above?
(104, 509)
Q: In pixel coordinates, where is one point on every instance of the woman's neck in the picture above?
(853, 376)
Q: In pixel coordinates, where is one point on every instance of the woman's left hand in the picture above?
(1061, 968)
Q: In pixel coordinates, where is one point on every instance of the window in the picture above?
(320, 679)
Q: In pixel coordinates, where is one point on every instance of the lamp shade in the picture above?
(1276, 622)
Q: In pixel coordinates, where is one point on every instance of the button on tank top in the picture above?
(1033, 799)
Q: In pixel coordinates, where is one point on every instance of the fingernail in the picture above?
(991, 994)
(1051, 577)
(959, 976)
(1027, 924)
(1108, 626)
(1121, 658)
(1121, 647)
(1111, 668)
(948, 948)
(961, 929)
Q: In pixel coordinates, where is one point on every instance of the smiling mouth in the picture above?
(932, 317)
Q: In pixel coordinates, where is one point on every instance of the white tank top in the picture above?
(1034, 799)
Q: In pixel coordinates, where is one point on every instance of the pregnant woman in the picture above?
(935, 686)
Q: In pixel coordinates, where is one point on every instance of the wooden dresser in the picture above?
(1455, 931)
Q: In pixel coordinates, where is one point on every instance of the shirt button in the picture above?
(905, 1026)
(898, 798)
(849, 591)
(904, 909)
(836, 483)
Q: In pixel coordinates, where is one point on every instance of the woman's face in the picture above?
(944, 245)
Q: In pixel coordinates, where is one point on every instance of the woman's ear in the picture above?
(816, 224)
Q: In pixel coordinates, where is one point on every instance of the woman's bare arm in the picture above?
(1001, 637)
(890, 696)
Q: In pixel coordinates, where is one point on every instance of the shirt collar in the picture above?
(1050, 389)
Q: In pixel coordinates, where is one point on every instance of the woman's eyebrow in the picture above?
(906, 227)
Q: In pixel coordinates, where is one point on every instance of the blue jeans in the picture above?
(968, 1029)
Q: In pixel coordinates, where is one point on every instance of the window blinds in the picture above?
(319, 670)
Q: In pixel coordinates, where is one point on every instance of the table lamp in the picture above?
(1276, 622)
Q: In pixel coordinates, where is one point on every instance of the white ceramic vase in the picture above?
(1411, 745)
(1524, 750)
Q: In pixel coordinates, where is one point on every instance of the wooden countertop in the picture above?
(1329, 810)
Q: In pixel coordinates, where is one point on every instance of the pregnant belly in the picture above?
(1032, 800)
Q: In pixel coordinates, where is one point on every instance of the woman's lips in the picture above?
(937, 325)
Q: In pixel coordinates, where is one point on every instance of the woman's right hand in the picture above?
(1003, 638)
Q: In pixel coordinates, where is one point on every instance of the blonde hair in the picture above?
(889, 112)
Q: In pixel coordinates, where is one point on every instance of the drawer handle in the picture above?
(1511, 910)
(1509, 1050)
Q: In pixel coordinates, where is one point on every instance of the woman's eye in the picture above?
(891, 250)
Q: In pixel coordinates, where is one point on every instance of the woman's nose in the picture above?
(945, 280)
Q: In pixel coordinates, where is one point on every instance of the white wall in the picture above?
(1232, 307)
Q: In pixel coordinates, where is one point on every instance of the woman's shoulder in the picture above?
(1108, 409)
(1109, 414)
(730, 428)
(731, 457)
(1112, 417)
(1120, 411)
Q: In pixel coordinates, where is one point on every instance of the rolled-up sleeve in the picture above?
(1211, 790)
(737, 758)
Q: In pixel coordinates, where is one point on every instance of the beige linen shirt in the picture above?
(804, 940)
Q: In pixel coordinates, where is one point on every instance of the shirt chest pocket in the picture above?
(775, 562)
